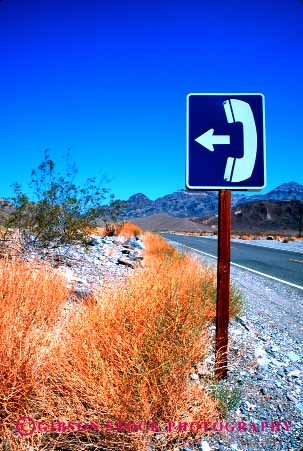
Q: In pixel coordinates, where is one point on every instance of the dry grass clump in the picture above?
(31, 299)
(245, 237)
(156, 246)
(126, 229)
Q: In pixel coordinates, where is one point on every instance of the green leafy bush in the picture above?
(228, 397)
(59, 211)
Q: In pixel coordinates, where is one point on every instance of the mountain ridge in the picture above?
(190, 204)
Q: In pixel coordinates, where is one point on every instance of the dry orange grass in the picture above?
(245, 237)
(126, 229)
(157, 247)
(31, 299)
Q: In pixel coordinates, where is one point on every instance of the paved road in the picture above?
(283, 265)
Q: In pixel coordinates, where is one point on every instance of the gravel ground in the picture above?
(265, 366)
(107, 260)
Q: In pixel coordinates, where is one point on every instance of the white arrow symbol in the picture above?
(208, 139)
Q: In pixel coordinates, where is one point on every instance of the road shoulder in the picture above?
(265, 363)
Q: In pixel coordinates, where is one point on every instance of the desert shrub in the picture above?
(59, 211)
(109, 229)
(245, 237)
(128, 230)
(123, 228)
(228, 396)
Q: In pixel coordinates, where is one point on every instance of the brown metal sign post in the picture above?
(223, 283)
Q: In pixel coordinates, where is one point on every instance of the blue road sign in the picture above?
(225, 142)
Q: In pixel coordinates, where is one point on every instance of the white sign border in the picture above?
(233, 188)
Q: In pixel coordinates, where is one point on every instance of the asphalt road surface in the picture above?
(284, 265)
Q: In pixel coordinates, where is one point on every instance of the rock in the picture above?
(290, 397)
(205, 446)
(160, 437)
(59, 259)
(294, 373)
(264, 338)
(250, 406)
(126, 262)
(82, 292)
(293, 357)
(194, 376)
(261, 357)
(128, 246)
(119, 240)
(300, 407)
(137, 244)
(93, 242)
(136, 257)
(240, 321)
(275, 349)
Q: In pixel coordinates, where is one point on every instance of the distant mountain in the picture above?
(181, 204)
(189, 204)
(286, 191)
(263, 216)
(138, 205)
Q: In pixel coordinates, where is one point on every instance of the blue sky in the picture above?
(110, 83)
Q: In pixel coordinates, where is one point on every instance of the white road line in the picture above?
(244, 267)
(250, 243)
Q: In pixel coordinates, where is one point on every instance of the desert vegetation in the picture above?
(123, 356)
(122, 228)
(109, 371)
(55, 210)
